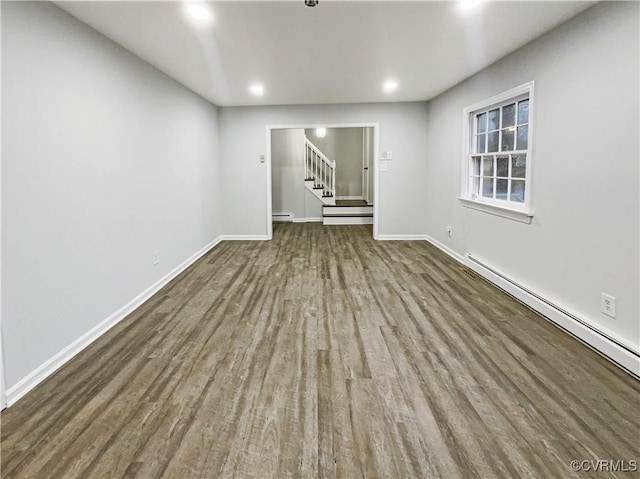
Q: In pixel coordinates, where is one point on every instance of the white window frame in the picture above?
(517, 211)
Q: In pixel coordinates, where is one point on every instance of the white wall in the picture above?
(313, 206)
(243, 140)
(584, 236)
(344, 146)
(104, 160)
(287, 172)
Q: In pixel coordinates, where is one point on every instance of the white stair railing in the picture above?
(320, 169)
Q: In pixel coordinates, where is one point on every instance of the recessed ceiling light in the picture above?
(256, 89)
(467, 4)
(390, 86)
(199, 12)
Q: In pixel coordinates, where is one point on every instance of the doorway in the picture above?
(346, 150)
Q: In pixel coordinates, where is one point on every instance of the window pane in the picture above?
(487, 167)
(518, 166)
(481, 144)
(482, 122)
(509, 115)
(517, 191)
(487, 187)
(502, 166)
(475, 169)
(523, 136)
(523, 112)
(501, 189)
(492, 144)
(508, 139)
(494, 119)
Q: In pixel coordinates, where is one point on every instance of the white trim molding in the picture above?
(303, 126)
(3, 392)
(607, 343)
(268, 203)
(26, 384)
(503, 208)
(307, 220)
(445, 249)
(610, 345)
(516, 215)
(245, 238)
(402, 237)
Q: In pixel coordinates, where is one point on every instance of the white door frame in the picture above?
(305, 126)
(366, 163)
(3, 391)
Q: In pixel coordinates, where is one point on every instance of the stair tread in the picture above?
(349, 206)
(347, 215)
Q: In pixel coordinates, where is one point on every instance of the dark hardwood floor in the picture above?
(324, 353)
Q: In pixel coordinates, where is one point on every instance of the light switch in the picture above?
(384, 167)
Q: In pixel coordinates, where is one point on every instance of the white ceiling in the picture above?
(336, 52)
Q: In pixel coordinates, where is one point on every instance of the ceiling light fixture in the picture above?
(256, 89)
(199, 12)
(467, 4)
(311, 3)
(321, 132)
(390, 86)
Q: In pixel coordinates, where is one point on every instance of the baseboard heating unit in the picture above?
(282, 218)
(609, 344)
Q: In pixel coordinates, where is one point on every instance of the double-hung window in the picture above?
(497, 161)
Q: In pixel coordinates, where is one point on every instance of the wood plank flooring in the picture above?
(324, 353)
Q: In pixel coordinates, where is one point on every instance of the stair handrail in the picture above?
(319, 168)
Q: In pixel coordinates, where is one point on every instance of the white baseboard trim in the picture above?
(26, 384)
(609, 344)
(245, 237)
(307, 220)
(401, 237)
(347, 220)
(445, 249)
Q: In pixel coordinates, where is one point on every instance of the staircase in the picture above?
(347, 212)
(320, 179)
(320, 174)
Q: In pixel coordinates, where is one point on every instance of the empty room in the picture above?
(355, 239)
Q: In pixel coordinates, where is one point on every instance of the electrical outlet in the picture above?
(608, 305)
(384, 167)
(449, 231)
(156, 258)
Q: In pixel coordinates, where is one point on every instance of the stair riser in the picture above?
(336, 210)
(347, 220)
(330, 200)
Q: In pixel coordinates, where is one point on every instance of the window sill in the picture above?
(509, 213)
